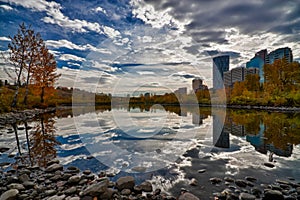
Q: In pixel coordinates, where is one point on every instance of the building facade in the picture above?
(238, 74)
(280, 53)
(220, 65)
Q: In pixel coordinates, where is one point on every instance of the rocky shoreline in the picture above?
(54, 182)
(25, 115)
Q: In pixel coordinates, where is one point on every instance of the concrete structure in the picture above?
(280, 53)
(220, 65)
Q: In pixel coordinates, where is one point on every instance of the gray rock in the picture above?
(193, 182)
(54, 167)
(270, 165)
(241, 183)
(200, 171)
(74, 179)
(16, 186)
(74, 198)
(250, 178)
(50, 192)
(126, 192)
(187, 196)
(146, 186)
(228, 179)
(246, 196)
(215, 180)
(10, 195)
(23, 178)
(28, 184)
(52, 162)
(126, 182)
(96, 189)
(273, 195)
(56, 197)
(71, 190)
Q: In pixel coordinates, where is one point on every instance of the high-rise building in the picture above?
(197, 83)
(262, 54)
(280, 53)
(227, 78)
(220, 65)
(238, 74)
(258, 61)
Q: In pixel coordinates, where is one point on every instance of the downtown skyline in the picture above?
(133, 45)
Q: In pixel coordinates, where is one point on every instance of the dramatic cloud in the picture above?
(6, 7)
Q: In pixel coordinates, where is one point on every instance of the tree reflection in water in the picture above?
(42, 141)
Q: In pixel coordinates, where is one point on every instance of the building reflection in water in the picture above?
(220, 133)
(255, 134)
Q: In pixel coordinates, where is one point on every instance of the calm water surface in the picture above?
(156, 139)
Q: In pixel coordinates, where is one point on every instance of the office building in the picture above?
(220, 65)
(197, 85)
(258, 61)
(238, 74)
(280, 53)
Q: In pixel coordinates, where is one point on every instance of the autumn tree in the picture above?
(18, 56)
(281, 76)
(23, 55)
(44, 73)
(252, 82)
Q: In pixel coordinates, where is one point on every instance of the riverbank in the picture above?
(24, 115)
(56, 182)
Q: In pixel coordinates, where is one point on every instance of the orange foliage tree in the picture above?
(44, 74)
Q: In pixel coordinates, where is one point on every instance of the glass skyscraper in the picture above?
(220, 65)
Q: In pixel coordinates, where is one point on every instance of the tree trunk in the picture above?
(42, 94)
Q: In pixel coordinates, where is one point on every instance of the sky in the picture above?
(133, 46)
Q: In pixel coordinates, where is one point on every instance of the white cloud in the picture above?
(55, 16)
(67, 57)
(67, 44)
(6, 7)
(157, 19)
(5, 39)
(99, 9)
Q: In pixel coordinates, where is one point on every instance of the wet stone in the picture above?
(228, 179)
(54, 167)
(241, 183)
(50, 192)
(74, 179)
(126, 192)
(126, 182)
(201, 171)
(28, 184)
(273, 195)
(9, 195)
(71, 190)
(87, 172)
(16, 186)
(246, 196)
(146, 186)
(270, 165)
(250, 178)
(215, 180)
(193, 182)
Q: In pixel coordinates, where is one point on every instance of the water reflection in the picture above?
(267, 132)
(39, 146)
